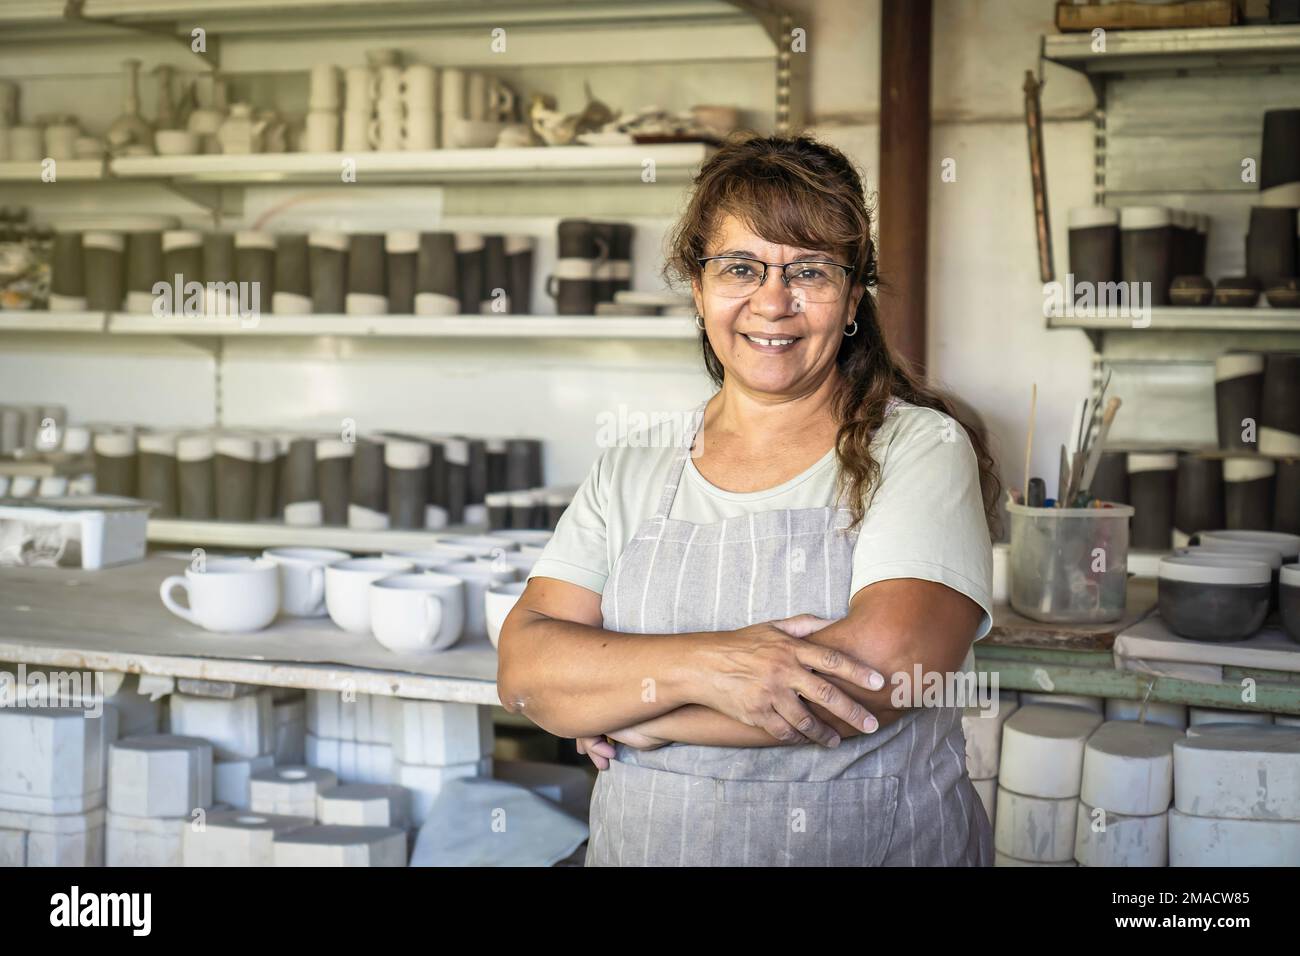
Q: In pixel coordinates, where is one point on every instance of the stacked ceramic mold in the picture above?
(158, 785)
(373, 481)
(54, 759)
(983, 730)
(1090, 782)
(120, 263)
(1236, 793)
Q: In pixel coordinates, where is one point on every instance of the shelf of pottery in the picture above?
(167, 775)
(260, 488)
(1082, 781)
(143, 275)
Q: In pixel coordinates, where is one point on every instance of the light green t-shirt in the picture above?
(926, 518)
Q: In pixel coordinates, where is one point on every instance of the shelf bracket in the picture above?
(212, 198)
(75, 12)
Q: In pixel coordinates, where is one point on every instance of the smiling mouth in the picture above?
(770, 342)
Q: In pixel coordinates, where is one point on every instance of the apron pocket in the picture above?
(827, 823)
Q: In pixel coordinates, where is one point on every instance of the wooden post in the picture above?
(905, 173)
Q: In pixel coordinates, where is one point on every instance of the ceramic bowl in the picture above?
(176, 142)
(497, 603)
(472, 134)
(1284, 294)
(1289, 599)
(1215, 598)
(1237, 292)
(1191, 290)
(1288, 544)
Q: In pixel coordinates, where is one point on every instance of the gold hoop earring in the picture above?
(699, 321)
(848, 334)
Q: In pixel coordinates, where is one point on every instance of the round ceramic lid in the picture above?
(1255, 552)
(1214, 569)
(1288, 544)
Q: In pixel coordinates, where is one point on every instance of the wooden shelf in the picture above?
(1187, 319)
(674, 162)
(1129, 51)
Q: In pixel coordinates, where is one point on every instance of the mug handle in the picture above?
(372, 133)
(552, 287)
(165, 592)
(432, 618)
(316, 588)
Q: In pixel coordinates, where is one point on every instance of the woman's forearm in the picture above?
(696, 724)
(575, 680)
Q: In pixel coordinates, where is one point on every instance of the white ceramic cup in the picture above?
(60, 139)
(420, 86)
(324, 87)
(360, 87)
(387, 87)
(388, 130)
(356, 132)
(476, 545)
(302, 578)
(406, 613)
(177, 142)
(478, 576)
(497, 603)
(322, 132)
(25, 144)
(428, 558)
(230, 595)
(347, 589)
(420, 130)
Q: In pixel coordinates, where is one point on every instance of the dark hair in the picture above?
(799, 192)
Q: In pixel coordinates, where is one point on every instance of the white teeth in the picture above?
(755, 338)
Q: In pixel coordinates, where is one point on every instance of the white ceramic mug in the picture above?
(324, 87)
(322, 132)
(406, 613)
(388, 129)
(387, 87)
(25, 144)
(177, 142)
(360, 88)
(497, 603)
(60, 139)
(427, 558)
(421, 129)
(356, 132)
(420, 87)
(347, 589)
(476, 545)
(478, 576)
(302, 578)
(230, 595)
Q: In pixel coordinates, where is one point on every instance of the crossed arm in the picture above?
(766, 685)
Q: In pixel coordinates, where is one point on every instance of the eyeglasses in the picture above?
(738, 277)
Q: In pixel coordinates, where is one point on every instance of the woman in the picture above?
(732, 616)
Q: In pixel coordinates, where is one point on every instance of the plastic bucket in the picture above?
(1069, 565)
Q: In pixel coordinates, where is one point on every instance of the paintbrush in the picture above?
(1094, 454)
(1029, 440)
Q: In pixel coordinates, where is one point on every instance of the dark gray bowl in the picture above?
(1214, 598)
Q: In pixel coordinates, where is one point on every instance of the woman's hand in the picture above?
(761, 675)
(601, 751)
(598, 749)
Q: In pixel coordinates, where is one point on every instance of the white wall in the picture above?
(988, 341)
(987, 337)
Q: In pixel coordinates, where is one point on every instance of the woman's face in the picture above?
(773, 341)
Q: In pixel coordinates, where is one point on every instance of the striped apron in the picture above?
(898, 797)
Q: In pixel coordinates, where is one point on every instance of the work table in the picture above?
(113, 620)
